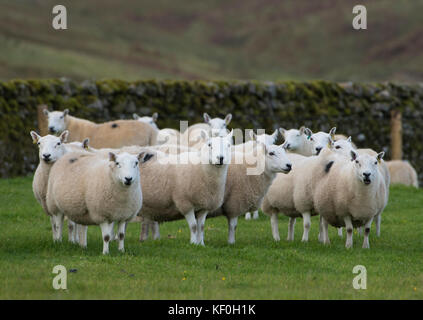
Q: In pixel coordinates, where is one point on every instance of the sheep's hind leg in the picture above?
(192, 223)
(200, 227)
(325, 231)
(349, 228)
(71, 231)
(121, 235)
(291, 229)
(367, 227)
(57, 226)
(307, 224)
(82, 230)
(340, 232)
(144, 230)
(248, 216)
(232, 224)
(256, 215)
(156, 230)
(107, 233)
(274, 225)
(378, 221)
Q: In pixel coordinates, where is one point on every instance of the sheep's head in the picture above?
(366, 166)
(321, 140)
(218, 125)
(343, 146)
(276, 159)
(216, 150)
(150, 120)
(295, 139)
(56, 120)
(125, 167)
(267, 139)
(51, 148)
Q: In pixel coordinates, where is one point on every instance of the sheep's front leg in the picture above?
(320, 236)
(144, 230)
(378, 221)
(57, 221)
(192, 223)
(291, 228)
(232, 224)
(340, 232)
(325, 230)
(121, 235)
(71, 231)
(107, 233)
(256, 215)
(248, 216)
(200, 227)
(367, 227)
(349, 228)
(82, 230)
(274, 225)
(307, 224)
(156, 230)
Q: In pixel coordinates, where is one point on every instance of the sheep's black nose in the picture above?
(220, 159)
(289, 166)
(51, 129)
(366, 174)
(318, 150)
(46, 156)
(128, 179)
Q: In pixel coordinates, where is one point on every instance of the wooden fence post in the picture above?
(396, 135)
(42, 120)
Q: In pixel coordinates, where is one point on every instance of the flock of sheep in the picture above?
(129, 170)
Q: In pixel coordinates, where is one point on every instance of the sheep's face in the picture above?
(366, 167)
(125, 168)
(321, 140)
(51, 148)
(277, 160)
(217, 150)
(149, 120)
(56, 121)
(295, 139)
(343, 146)
(267, 139)
(218, 125)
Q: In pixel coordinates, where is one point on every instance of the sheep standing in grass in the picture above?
(164, 136)
(113, 134)
(402, 172)
(187, 185)
(351, 194)
(192, 136)
(93, 190)
(51, 149)
(244, 192)
(344, 147)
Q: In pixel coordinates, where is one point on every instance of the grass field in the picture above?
(254, 268)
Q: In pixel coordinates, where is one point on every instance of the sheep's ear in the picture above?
(135, 116)
(46, 112)
(349, 139)
(353, 155)
(253, 136)
(155, 116)
(204, 135)
(332, 132)
(35, 137)
(284, 145)
(112, 157)
(230, 135)
(380, 155)
(330, 143)
(275, 135)
(65, 112)
(302, 129)
(282, 131)
(64, 136)
(86, 144)
(145, 156)
(206, 118)
(228, 118)
(308, 133)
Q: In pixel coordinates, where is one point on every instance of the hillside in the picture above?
(217, 39)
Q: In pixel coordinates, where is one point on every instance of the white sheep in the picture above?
(244, 192)
(164, 136)
(51, 148)
(344, 147)
(113, 134)
(93, 190)
(192, 136)
(187, 184)
(351, 194)
(402, 172)
(150, 120)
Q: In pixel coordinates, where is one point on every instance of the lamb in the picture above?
(292, 194)
(192, 136)
(114, 134)
(187, 184)
(344, 147)
(97, 191)
(51, 149)
(244, 192)
(351, 194)
(402, 172)
(164, 136)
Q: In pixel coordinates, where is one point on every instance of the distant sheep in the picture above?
(164, 136)
(402, 172)
(113, 134)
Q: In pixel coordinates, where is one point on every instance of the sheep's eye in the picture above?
(61, 117)
(311, 139)
(376, 162)
(271, 153)
(118, 164)
(38, 143)
(209, 144)
(136, 163)
(337, 147)
(356, 161)
(58, 143)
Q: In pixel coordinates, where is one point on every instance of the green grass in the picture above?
(254, 268)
